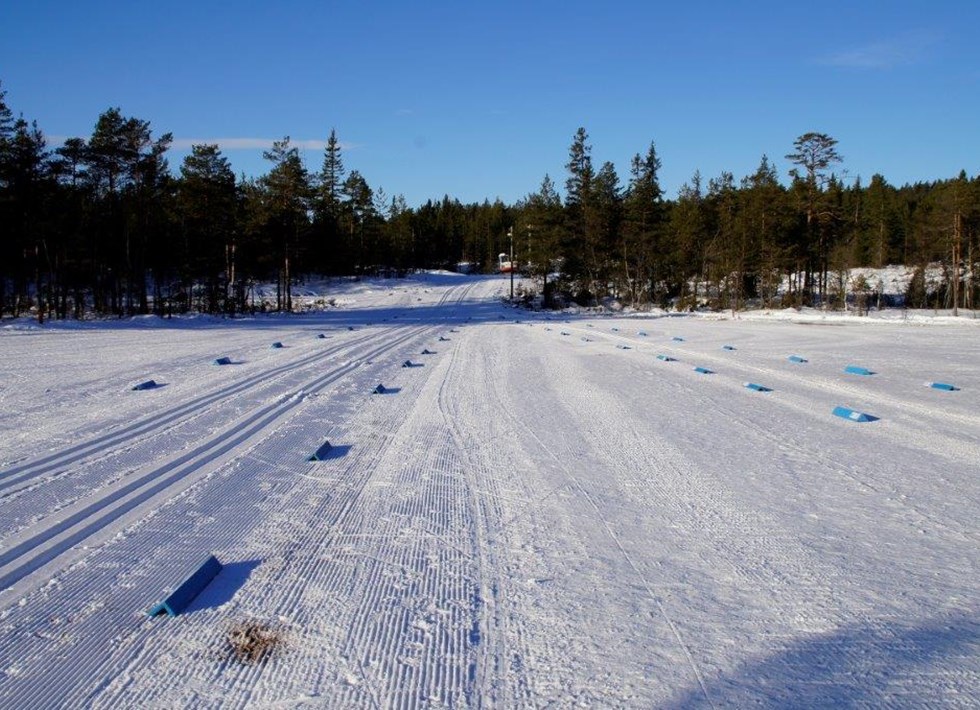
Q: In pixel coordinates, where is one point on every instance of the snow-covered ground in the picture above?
(538, 513)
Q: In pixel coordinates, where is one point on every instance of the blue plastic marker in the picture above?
(193, 584)
(322, 453)
(942, 386)
(853, 415)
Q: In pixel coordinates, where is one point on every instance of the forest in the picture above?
(101, 226)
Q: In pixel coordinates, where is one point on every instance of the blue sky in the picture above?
(480, 100)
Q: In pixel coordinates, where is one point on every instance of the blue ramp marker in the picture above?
(321, 336)
(192, 585)
(276, 345)
(677, 339)
(565, 332)
(426, 351)
(666, 358)
(148, 385)
(855, 370)
(380, 389)
(727, 347)
(443, 339)
(322, 453)
(935, 385)
(409, 363)
(222, 361)
(758, 388)
(641, 333)
(796, 358)
(586, 340)
(350, 327)
(853, 415)
(623, 347)
(615, 329)
(704, 370)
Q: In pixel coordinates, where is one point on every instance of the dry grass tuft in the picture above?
(252, 642)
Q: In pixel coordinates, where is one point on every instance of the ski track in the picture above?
(66, 527)
(797, 388)
(526, 520)
(415, 336)
(96, 458)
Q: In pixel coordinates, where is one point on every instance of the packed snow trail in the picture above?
(526, 519)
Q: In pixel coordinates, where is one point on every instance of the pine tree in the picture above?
(815, 154)
(128, 175)
(26, 175)
(287, 188)
(207, 199)
(358, 218)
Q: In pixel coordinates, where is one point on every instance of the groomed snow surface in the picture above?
(530, 516)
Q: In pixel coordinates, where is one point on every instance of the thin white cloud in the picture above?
(230, 143)
(405, 112)
(905, 50)
(247, 143)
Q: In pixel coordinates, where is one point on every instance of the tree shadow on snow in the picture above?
(864, 665)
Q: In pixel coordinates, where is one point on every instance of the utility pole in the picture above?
(510, 234)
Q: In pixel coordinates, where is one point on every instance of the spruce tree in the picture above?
(641, 252)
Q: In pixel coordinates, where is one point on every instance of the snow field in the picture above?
(527, 519)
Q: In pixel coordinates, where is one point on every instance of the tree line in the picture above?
(102, 225)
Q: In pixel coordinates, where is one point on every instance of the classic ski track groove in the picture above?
(97, 452)
(116, 441)
(85, 518)
(343, 501)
